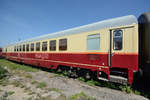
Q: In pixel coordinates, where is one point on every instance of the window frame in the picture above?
(32, 47)
(65, 40)
(38, 48)
(14, 48)
(90, 37)
(27, 47)
(44, 46)
(117, 37)
(20, 48)
(52, 45)
(24, 47)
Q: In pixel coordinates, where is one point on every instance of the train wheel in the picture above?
(87, 75)
(72, 72)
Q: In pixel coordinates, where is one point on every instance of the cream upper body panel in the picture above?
(77, 42)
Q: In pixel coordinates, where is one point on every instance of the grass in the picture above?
(4, 96)
(16, 83)
(11, 92)
(124, 88)
(4, 82)
(41, 85)
(3, 72)
(15, 66)
(81, 96)
(27, 75)
(34, 82)
(54, 89)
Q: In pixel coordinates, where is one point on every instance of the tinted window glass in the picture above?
(52, 45)
(117, 40)
(63, 44)
(24, 47)
(15, 48)
(27, 47)
(44, 46)
(93, 42)
(38, 46)
(20, 48)
(32, 46)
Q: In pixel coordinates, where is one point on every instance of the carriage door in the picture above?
(116, 47)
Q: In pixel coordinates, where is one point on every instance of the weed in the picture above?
(128, 89)
(90, 82)
(81, 96)
(137, 92)
(30, 98)
(54, 89)
(27, 89)
(41, 85)
(16, 83)
(3, 72)
(27, 75)
(11, 92)
(4, 96)
(31, 93)
(4, 82)
(81, 79)
(34, 82)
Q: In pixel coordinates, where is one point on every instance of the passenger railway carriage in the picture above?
(112, 50)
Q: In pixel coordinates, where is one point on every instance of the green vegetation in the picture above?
(81, 96)
(3, 72)
(54, 89)
(4, 96)
(16, 83)
(27, 75)
(15, 66)
(81, 79)
(41, 85)
(126, 88)
(34, 82)
(4, 82)
(11, 92)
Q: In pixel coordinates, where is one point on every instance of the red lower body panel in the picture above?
(94, 62)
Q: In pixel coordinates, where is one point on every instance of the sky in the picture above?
(24, 19)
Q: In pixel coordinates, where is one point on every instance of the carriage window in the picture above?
(63, 44)
(52, 44)
(15, 48)
(93, 42)
(20, 48)
(44, 46)
(117, 40)
(32, 46)
(27, 47)
(38, 46)
(24, 47)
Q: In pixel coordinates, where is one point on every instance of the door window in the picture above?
(117, 39)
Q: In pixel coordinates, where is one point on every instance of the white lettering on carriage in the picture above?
(41, 56)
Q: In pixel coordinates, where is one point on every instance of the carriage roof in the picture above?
(114, 22)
